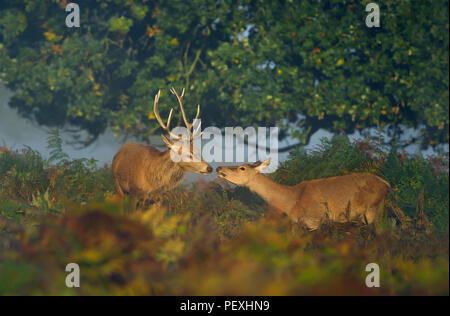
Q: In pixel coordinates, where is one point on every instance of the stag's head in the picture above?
(182, 146)
(243, 174)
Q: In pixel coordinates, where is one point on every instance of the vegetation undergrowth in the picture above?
(213, 239)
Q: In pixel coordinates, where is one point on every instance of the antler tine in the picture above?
(196, 132)
(180, 102)
(156, 111)
(158, 117)
(198, 112)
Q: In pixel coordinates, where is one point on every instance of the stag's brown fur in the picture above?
(357, 195)
(145, 173)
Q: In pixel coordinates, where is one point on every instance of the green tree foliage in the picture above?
(311, 64)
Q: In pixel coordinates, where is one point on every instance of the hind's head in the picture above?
(243, 174)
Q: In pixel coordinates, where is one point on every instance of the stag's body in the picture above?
(343, 198)
(145, 173)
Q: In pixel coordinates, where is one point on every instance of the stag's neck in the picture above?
(169, 173)
(281, 197)
(173, 169)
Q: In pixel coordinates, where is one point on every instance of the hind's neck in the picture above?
(281, 197)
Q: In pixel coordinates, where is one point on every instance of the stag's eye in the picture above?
(242, 168)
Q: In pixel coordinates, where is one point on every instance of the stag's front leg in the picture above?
(133, 203)
(157, 203)
(153, 201)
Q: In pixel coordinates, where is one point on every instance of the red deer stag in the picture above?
(145, 173)
(357, 195)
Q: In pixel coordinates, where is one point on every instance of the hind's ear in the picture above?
(256, 164)
(262, 165)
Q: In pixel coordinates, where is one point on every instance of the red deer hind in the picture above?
(360, 194)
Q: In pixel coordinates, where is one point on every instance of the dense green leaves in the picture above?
(310, 64)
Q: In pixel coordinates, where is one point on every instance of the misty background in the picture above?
(18, 132)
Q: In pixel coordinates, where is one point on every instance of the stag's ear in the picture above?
(262, 165)
(174, 145)
(167, 141)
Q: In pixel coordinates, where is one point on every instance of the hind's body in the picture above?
(343, 198)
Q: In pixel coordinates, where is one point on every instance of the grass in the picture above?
(208, 239)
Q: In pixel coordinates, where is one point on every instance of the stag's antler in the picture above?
(158, 117)
(186, 122)
(189, 126)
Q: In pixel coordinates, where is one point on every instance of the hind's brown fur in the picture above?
(361, 194)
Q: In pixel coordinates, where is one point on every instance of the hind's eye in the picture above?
(242, 168)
